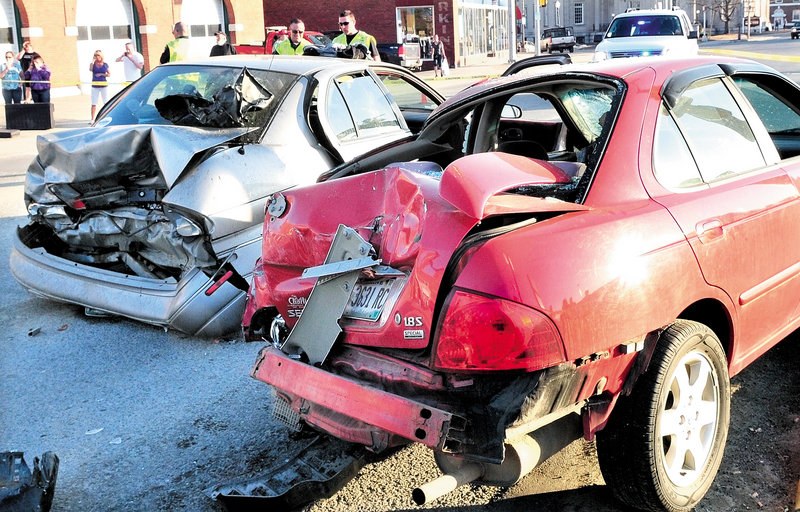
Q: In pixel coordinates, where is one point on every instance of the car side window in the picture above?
(370, 110)
(339, 116)
(771, 98)
(405, 94)
(713, 125)
(673, 164)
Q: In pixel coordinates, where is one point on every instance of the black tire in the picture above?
(571, 48)
(646, 467)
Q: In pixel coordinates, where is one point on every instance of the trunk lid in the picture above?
(415, 217)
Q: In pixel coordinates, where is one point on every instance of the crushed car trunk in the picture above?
(99, 191)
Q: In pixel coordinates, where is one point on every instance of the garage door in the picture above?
(8, 39)
(204, 17)
(104, 25)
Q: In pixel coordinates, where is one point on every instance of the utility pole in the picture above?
(512, 21)
(537, 27)
(741, 22)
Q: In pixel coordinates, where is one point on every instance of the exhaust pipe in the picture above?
(449, 481)
(522, 456)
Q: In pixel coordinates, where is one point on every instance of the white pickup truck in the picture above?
(558, 38)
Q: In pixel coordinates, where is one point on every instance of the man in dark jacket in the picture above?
(223, 47)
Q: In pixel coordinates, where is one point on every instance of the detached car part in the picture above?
(23, 490)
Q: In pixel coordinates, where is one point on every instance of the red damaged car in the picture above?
(591, 251)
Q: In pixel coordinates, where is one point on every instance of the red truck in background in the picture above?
(272, 33)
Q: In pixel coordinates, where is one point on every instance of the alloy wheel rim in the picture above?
(688, 419)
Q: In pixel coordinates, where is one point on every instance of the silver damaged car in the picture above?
(155, 212)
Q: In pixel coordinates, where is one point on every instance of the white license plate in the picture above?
(367, 300)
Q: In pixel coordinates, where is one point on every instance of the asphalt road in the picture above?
(144, 419)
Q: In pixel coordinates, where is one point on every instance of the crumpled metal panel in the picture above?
(118, 151)
(150, 231)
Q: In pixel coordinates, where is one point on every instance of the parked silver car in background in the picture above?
(155, 213)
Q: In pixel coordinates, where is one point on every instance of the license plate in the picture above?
(367, 300)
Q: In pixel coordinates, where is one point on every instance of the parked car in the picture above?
(795, 32)
(552, 256)
(648, 32)
(265, 47)
(558, 38)
(155, 213)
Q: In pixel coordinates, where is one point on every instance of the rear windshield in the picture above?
(653, 25)
(205, 96)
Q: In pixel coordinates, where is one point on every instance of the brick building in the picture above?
(67, 32)
(472, 31)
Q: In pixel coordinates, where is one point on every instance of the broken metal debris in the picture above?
(320, 469)
(23, 490)
(348, 255)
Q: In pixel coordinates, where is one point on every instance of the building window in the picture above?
(579, 13)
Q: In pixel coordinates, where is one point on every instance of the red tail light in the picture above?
(482, 333)
(401, 51)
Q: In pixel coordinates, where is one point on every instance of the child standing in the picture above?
(39, 76)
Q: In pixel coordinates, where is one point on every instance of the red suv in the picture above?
(593, 251)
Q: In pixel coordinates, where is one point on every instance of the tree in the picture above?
(726, 9)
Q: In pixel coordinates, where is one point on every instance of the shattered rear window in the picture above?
(203, 96)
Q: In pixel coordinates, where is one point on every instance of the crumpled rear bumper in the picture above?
(394, 414)
(165, 302)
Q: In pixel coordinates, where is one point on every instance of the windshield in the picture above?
(206, 96)
(653, 25)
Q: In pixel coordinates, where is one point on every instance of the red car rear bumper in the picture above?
(313, 388)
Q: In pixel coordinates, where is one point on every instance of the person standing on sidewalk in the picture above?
(296, 42)
(39, 76)
(25, 57)
(132, 62)
(178, 48)
(222, 47)
(100, 74)
(10, 74)
(438, 52)
(350, 35)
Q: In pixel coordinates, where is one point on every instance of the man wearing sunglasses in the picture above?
(350, 35)
(295, 43)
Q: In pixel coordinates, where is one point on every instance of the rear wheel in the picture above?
(663, 444)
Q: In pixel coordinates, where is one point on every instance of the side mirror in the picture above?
(511, 112)
(693, 34)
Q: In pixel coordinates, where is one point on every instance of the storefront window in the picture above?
(484, 28)
(415, 25)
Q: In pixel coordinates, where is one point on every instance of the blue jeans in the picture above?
(40, 96)
(12, 95)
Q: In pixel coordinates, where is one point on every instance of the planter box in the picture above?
(29, 116)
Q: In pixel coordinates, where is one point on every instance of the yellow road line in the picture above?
(752, 55)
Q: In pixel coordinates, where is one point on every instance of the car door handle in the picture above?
(708, 230)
